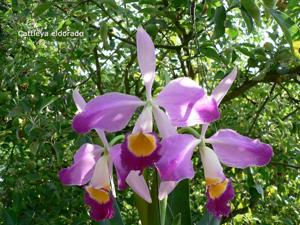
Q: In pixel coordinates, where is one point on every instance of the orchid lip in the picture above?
(140, 150)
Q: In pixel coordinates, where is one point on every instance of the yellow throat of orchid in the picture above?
(141, 144)
(215, 187)
(100, 195)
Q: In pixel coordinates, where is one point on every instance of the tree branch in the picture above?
(270, 77)
(98, 71)
(261, 108)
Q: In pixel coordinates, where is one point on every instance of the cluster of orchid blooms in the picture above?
(184, 104)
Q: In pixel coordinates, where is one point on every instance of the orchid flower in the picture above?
(134, 179)
(229, 147)
(92, 167)
(112, 111)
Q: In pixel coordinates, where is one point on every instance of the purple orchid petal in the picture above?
(110, 112)
(138, 184)
(82, 170)
(79, 100)
(235, 150)
(221, 90)
(133, 178)
(187, 104)
(220, 206)
(146, 58)
(165, 188)
(164, 125)
(175, 163)
(122, 172)
(99, 210)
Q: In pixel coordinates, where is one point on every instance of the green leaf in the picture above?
(270, 3)
(253, 10)
(41, 8)
(209, 219)
(105, 222)
(142, 207)
(288, 27)
(178, 3)
(219, 19)
(244, 50)
(47, 101)
(179, 202)
(111, 3)
(248, 20)
(103, 34)
(8, 217)
(210, 53)
(117, 219)
(34, 146)
(232, 33)
(177, 220)
(150, 2)
(58, 152)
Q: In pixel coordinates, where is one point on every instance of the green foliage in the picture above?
(203, 40)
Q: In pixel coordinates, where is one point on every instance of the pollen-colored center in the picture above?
(99, 195)
(141, 144)
(215, 187)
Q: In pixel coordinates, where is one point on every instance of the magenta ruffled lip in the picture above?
(220, 206)
(99, 211)
(131, 162)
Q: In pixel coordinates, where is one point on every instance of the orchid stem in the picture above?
(189, 130)
(157, 209)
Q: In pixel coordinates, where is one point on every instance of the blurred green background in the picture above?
(203, 40)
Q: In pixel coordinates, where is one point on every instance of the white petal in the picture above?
(145, 121)
(100, 177)
(163, 123)
(165, 188)
(139, 185)
(211, 164)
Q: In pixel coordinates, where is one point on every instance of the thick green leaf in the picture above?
(211, 53)
(116, 220)
(248, 20)
(209, 219)
(270, 3)
(178, 3)
(289, 28)
(219, 19)
(142, 207)
(103, 34)
(154, 208)
(253, 10)
(41, 8)
(177, 220)
(179, 202)
(47, 101)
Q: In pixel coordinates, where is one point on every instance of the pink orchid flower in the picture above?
(229, 147)
(93, 166)
(111, 112)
